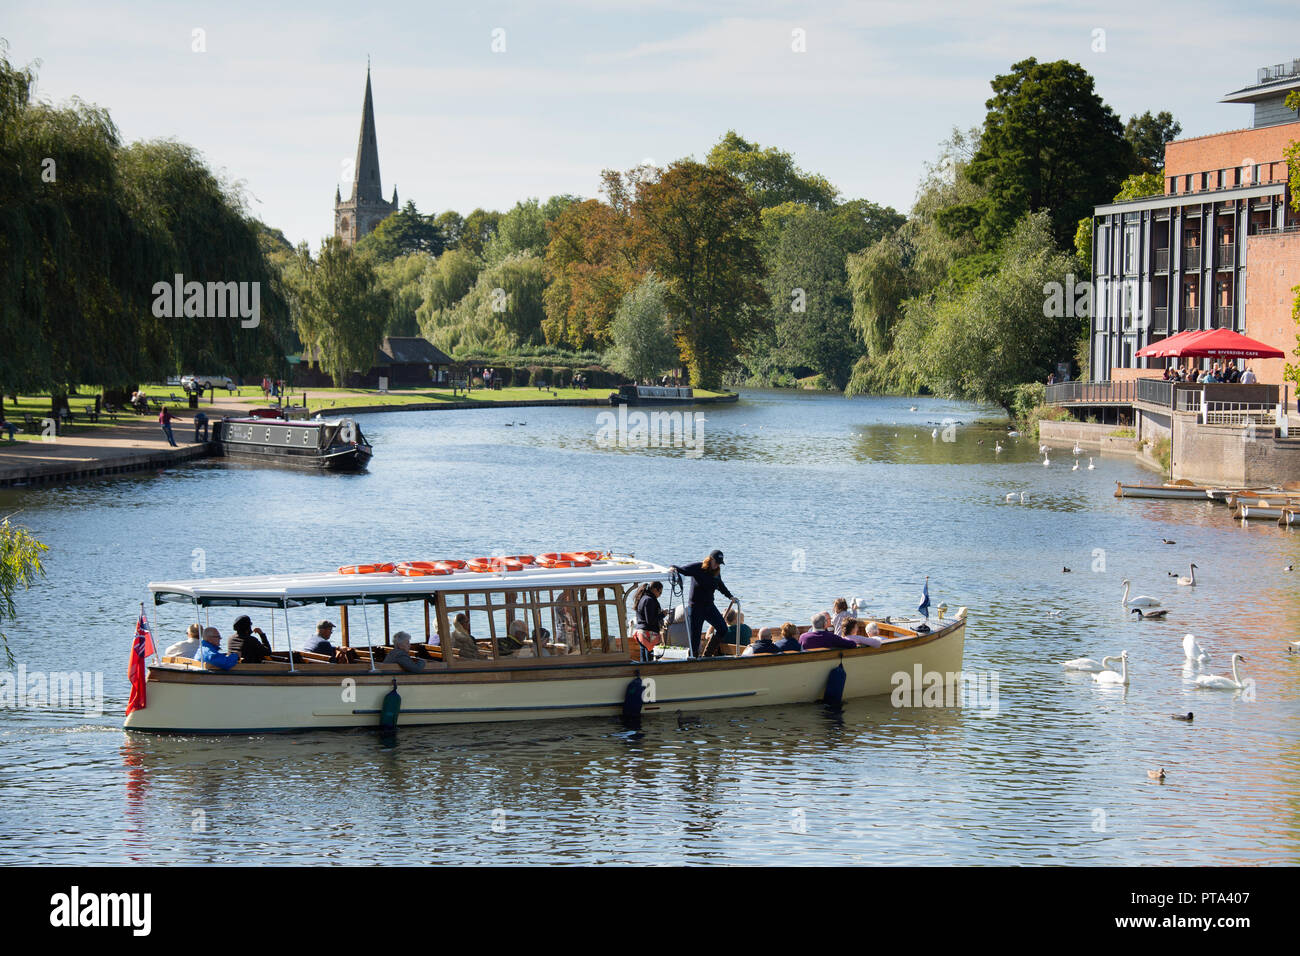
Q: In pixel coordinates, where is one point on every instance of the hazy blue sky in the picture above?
(275, 100)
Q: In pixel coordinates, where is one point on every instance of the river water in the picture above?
(811, 497)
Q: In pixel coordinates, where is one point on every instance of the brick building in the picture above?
(1220, 248)
(365, 208)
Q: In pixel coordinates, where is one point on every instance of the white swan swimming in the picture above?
(1077, 450)
(1076, 465)
(1113, 678)
(1012, 433)
(1193, 651)
(997, 448)
(1191, 580)
(1045, 461)
(1042, 450)
(1091, 466)
(1011, 496)
(1088, 664)
(935, 433)
(1219, 682)
(1140, 600)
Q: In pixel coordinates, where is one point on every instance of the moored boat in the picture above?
(652, 395)
(577, 657)
(332, 444)
(1167, 490)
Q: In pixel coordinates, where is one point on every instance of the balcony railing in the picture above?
(1091, 393)
(1155, 391)
(1223, 317)
(1191, 257)
(1226, 250)
(1160, 320)
(1179, 396)
(1162, 260)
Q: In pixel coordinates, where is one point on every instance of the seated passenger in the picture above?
(789, 640)
(251, 650)
(840, 614)
(746, 632)
(210, 651)
(763, 645)
(541, 637)
(189, 647)
(320, 644)
(862, 633)
(401, 654)
(820, 637)
(461, 639)
(515, 638)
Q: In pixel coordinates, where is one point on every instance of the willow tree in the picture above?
(342, 309)
(20, 566)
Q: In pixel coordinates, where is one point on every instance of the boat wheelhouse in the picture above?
(577, 656)
(332, 444)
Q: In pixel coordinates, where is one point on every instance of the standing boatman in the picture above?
(706, 577)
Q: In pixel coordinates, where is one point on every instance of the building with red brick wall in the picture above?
(1216, 250)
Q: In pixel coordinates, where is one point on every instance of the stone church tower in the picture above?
(365, 209)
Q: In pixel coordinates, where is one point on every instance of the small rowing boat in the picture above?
(1173, 489)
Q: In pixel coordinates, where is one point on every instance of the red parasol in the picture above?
(1209, 343)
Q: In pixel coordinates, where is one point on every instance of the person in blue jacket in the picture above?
(706, 578)
(210, 651)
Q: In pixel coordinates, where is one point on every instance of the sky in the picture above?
(485, 104)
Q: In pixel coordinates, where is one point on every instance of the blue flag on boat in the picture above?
(924, 606)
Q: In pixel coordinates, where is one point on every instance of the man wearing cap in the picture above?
(251, 649)
(706, 577)
(320, 643)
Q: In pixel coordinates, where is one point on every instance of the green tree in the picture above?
(404, 232)
(981, 342)
(1134, 187)
(1148, 135)
(451, 225)
(477, 231)
(343, 310)
(521, 230)
(1050, 143)
(1292, 154)
(403, 280)
(811, 307)
(502, 311)
(697, 229)
(642, 341)
(590, 267)
(769, 175)
(20, 566)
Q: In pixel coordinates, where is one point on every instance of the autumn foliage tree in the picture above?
(698, 229)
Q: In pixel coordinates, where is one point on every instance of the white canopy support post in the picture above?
(369, 647)
(738, 622)
(288, 642)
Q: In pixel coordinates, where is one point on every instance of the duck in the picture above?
(1111, 678)
(1220, 682)
(1193, 650)
(1293, 647)
(1289, 567)
(1088, 664)
(1167, 541)
(1150, 615)
(1187, 716)
(1156, 774)
(1091, 466)
(912, 409)
(1189, 581)
(1140, 600)
(1065, 570)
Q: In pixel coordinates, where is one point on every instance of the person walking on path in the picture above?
(200, 426)
(706, 578)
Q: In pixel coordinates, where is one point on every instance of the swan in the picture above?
(935, 433)
(1022, 497)
(1076, 465)
(1193, 651)
(1140, 600)
(1088, 664)
(1042, 450)
(1091, 466)
(1112, 678)
(1011, 496)
(1189, 581)
(1150, 615)
(1045, 461)
(912, 409)
(1012, 433)
(997, 448)
(1219, 682)
(1077, 450)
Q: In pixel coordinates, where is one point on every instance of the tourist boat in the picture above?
(1173, 489)
(578, 658)
(333, 444)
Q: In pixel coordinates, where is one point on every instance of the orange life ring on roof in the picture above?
(523, 558)
(585, 555)
(365, 569)
(494, 564)
(417, 569)
(555, 559)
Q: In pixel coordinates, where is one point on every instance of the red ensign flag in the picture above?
(141, 648)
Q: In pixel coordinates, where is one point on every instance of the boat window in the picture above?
(546, 623)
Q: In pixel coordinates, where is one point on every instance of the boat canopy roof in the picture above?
(334, 588)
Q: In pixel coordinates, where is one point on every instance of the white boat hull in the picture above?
(333, 696)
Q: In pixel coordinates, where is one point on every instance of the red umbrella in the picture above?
(1209, 343)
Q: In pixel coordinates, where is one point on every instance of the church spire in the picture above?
(366, 184)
